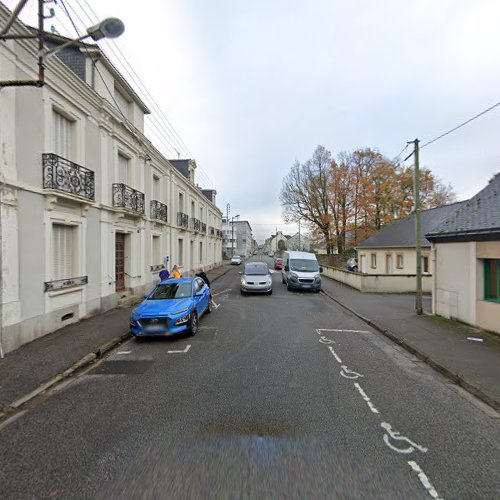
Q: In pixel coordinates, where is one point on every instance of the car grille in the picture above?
(306, 280)
(155, 321)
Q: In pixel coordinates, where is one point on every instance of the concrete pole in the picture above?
(418, 247)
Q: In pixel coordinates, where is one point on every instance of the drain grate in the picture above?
(122, 367)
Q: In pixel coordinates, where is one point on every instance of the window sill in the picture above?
(64, 291)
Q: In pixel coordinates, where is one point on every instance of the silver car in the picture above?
(256, 278)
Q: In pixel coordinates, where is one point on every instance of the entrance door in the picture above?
(119, 262)
(363, 263)
(388, 264)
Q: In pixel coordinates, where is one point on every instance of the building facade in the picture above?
(90, 209)
(466, 255)
(237, 238)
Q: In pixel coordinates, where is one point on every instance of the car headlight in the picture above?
(133, 322)
(317, 277)
(181, 310)
(182, 320)
(243, 281)
(269, 282)
(294, 276)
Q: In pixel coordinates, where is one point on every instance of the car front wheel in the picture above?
(193, 323)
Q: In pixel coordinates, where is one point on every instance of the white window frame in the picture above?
(63, 131)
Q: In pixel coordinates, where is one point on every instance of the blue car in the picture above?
(174, 306)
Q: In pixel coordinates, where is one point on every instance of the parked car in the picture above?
(256, 278)
(236, 260)
(278, 264)
(352, 264)
(174, 306)
(301, 271)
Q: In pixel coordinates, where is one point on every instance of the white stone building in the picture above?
(241, 232)
(89, 208)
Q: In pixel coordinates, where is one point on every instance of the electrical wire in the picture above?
(169, 133)
(487, 110)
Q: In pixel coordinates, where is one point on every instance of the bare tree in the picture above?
(305, 193)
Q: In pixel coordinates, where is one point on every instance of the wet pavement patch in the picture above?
(122, 367)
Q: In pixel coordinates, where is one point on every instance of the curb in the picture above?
(85, 361)
(220, 275)
(451, 375)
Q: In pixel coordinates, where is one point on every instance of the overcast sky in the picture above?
(253, 86)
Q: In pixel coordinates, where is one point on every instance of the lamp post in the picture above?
(111, 27)
(232, 234)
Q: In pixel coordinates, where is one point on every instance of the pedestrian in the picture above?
(176, 272)
(203, 276)
(164, 275)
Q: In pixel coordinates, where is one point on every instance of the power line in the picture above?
(160, 133)
(461, 125)
(466, 122)
(174, 140)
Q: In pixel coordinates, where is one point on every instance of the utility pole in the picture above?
(418, 246)
(299, 235)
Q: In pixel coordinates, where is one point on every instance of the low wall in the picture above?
(381, 283)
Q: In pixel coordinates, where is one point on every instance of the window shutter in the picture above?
(62, 264)
(123, 169)
(62, 135)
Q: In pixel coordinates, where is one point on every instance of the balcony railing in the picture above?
(182, 220)
(158, 210)
(219, 233)
(64, 175)
(126, 197)
(194, 224)
(211, 231)
(203, 228)
(49, 286)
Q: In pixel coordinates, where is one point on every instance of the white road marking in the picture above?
(124, 352)
(324, 340)
(215, 305)
(346, 373)
(334, 354)
(397, 437)
(220, 293)
(337, 330)
(366, 398)
(181, 352)
(425, 480)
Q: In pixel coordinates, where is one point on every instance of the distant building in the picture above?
(299, 242)
(466, 251)
(237, 238)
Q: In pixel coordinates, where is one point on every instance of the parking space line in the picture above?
(181, 352)
(424, 480)
(366, 398)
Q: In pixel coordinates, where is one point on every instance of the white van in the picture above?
(301, 271)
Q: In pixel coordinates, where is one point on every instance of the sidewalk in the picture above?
(39, 364)
(441, 343)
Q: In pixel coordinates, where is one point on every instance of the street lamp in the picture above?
(110, 27)
(232, 234)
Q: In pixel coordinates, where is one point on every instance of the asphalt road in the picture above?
(278, 396)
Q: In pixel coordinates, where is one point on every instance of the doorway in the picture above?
(119, 262)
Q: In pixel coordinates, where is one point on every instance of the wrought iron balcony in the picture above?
(49, 286)
(211, 231)
(182, 220)
(64, 175)
(203, 228)
(194, 224)
(158, 210)
(126, 197)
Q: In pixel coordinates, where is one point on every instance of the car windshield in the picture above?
(171, 291)
(303, 265)
(256, 269)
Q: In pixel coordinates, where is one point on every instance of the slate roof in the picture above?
(476, 220)
(182, 166)
(401, 233)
